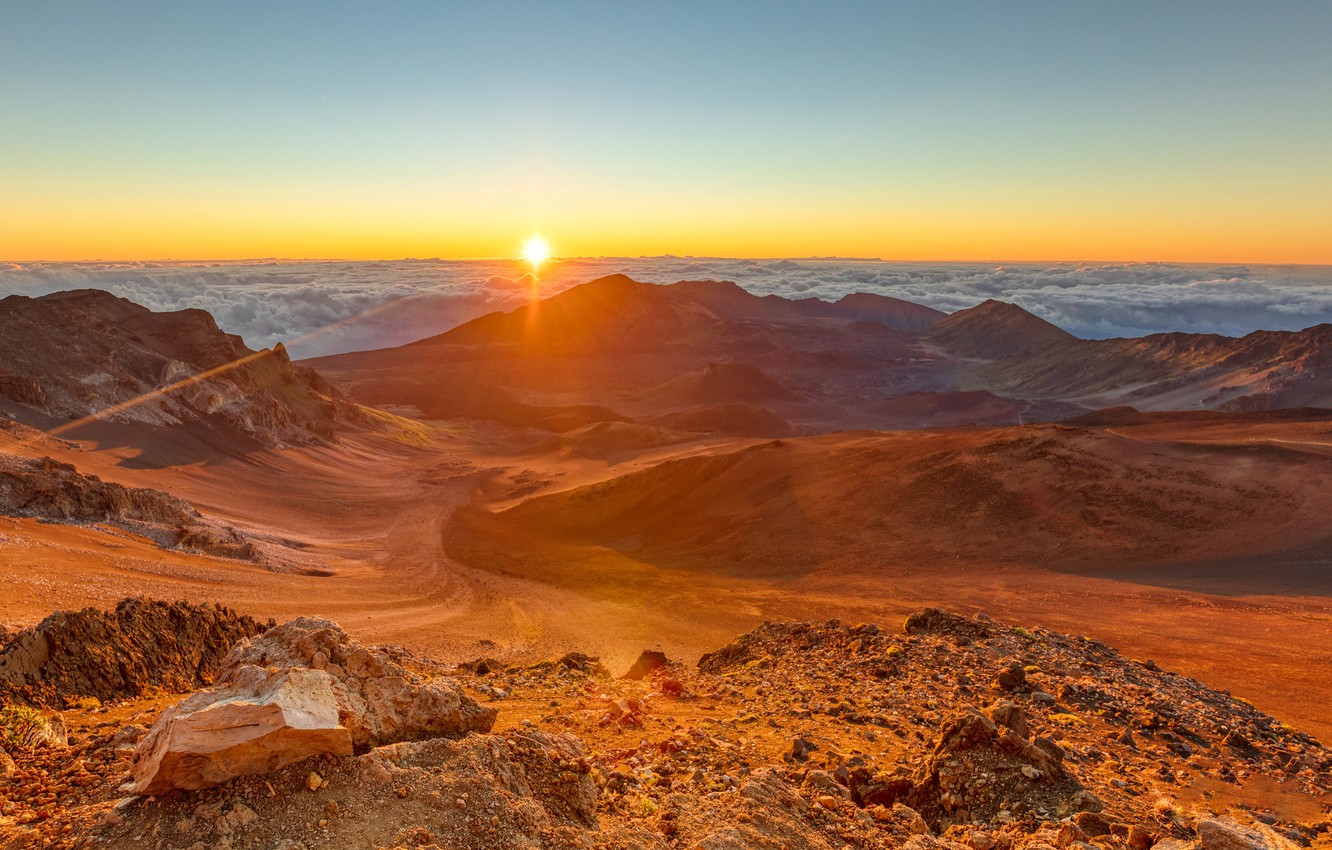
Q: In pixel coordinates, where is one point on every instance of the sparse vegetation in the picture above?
(22, 728)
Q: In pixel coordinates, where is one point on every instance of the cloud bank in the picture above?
(329, 307)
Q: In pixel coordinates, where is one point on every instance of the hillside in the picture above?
(1049, 495)
(85, 353)
(610, 341)
(995, 330)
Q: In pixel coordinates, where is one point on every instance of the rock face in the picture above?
(119, 654)
(49, 489)
(81, 352)
(1027, 774)
(303, 688)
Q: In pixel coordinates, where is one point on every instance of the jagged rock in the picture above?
(1012, 679)
(937, 622)
(583, 662)
(877, 789)
(142, 644)
(258, 723)
(822, 782)
(1092, 823)
(1009, 715)
(540, 772)
(801, 748)
(648, 661)
(772, 816)
(1225, 834)
(970, 747)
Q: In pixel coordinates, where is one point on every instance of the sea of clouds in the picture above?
(325, 307)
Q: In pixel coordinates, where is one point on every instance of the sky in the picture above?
(1133, 131)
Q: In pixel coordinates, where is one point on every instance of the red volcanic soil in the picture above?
(531, 516)
(933, 410)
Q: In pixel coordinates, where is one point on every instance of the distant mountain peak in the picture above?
(996, 329)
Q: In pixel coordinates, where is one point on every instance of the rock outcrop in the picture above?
(303, 688)
(84, 352)
(48, 489)
(978, 770)
(142, 644)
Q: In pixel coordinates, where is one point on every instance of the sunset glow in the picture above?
(536, 251)
(899, 131)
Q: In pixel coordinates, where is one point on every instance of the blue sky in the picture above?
(863, 114)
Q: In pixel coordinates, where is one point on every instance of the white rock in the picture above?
(256, 724)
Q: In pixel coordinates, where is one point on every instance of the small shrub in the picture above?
(23, 728)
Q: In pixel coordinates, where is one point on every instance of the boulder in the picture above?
(1226, 834)
(379, 700)
(649, 661)
(7, 766)
(259, 722)
(303, 688)
(1012, 679)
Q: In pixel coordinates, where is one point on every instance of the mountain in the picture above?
(1176, 371)
(995, 329)
(731, 301)
(643, 350)
(85, 353)
(640, 351)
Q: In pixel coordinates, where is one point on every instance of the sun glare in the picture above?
(536, 251)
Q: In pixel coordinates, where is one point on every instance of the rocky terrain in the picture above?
(948, 732)
(71, 355)
(143, 646)
(49, 490)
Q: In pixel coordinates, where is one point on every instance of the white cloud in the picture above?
(325, 307)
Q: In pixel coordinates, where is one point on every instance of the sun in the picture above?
(536, 250)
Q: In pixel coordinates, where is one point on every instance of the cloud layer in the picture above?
(328, 307)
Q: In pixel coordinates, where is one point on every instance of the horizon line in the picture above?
(556, 260)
